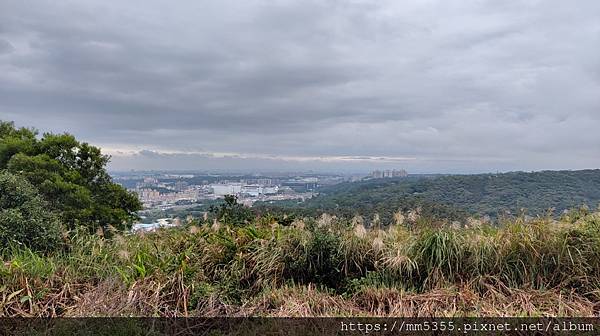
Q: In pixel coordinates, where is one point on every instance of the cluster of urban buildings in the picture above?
(388, 173)
(253, 190)
(150, 196)
(167, 190)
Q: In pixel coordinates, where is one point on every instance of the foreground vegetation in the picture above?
(314, 267)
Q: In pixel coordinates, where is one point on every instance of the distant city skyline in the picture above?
(329, 86)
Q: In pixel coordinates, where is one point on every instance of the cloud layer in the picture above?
(432, 85)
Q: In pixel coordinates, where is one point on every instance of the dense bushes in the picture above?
(213, 268)
(230, 212)
(25, 220)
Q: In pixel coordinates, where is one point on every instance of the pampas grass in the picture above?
(323, 267)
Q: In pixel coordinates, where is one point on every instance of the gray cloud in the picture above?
(458, 86)
(5, 47)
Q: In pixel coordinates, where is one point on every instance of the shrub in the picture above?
(24, 218)
(230, 212)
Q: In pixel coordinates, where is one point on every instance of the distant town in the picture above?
(169, 190)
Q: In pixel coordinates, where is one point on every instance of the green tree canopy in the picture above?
(24, 216)
(231, 212)
(70, 175)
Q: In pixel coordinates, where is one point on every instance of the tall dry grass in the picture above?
(323, 267)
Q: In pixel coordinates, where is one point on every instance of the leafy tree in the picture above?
(70, 175)
(231, 212)
(24, 216)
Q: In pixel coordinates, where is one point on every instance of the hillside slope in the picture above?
(453, 195)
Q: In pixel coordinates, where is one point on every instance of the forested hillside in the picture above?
(455, 195)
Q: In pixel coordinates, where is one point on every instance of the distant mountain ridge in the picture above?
(456, 195)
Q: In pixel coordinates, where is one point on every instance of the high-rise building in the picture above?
(388, 173)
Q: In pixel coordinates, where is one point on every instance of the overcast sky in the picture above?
(430, 86)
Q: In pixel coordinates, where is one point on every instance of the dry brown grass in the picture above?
(113, 298)
(149, 298)
(467, 302)
(384, 302)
